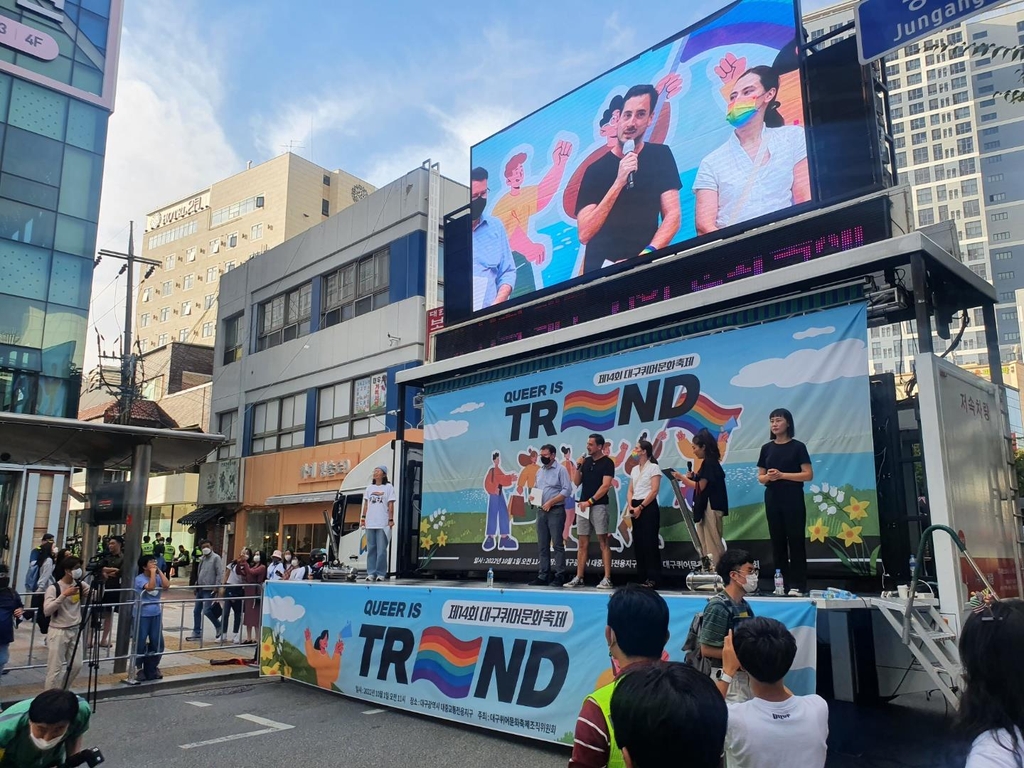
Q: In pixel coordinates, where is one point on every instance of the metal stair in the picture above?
(930, 640)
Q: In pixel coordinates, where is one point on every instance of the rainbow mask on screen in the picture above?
(741, 111)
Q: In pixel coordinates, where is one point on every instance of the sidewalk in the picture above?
(27, 665)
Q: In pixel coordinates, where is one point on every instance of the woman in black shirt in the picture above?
(710, 498)
(782, 468)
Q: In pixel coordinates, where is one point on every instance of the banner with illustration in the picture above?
(482, 443)
(518, 661)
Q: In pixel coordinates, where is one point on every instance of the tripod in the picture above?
(92, 620)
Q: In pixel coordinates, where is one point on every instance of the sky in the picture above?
(372, 88)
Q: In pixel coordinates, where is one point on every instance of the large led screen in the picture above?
(703, 132)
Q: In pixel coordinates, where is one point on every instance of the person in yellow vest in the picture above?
(147, 546)
(636, 634)
(668, 713)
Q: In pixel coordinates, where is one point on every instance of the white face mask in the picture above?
(255, 558)
(287, 558)
(207, 551)
(43, 745)
(750, 584)
(77, 574)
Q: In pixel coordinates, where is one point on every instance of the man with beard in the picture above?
(627, 191)
(494, 271)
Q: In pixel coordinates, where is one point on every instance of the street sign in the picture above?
(884, 26)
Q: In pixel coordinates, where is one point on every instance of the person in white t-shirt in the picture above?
(992, 704)
(775, 729)
(644, 482)
(377, 520)
(762, 168)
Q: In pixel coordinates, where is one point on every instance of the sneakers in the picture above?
(538, 582)
(575, 581)
(795, 593)
(605, 584)
(194, 638)
(368, 578)
(238, 639)
(381, 578)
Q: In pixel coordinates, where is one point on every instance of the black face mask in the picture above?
(476, 208)
(5, 582)
(545, 460)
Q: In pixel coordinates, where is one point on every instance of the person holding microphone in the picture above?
(377, 520)
(710, 496)
(644, 483)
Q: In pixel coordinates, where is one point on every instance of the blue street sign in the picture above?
(884, 26)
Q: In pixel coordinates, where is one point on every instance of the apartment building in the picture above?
(207, 234)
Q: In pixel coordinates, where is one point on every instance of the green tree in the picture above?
(991, 51)
(1018, 461)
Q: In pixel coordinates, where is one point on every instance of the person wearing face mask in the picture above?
(149, 643)
(63, 604)
(253, 574)
(494, 269)
(724, 612)
(762, 168)
(276, 568)
(210, 570)
(44, 731)
(233, 592)
(554, 486)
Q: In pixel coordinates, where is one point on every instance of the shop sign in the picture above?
(324, 470)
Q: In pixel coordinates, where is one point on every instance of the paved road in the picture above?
(327, 729)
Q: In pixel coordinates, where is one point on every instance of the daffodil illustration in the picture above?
(818, 531)
(851, 535)
(267, 650)
(426, 542)
(857, 509)
(442, 539)
(424, 526)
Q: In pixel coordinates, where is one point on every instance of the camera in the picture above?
(90, 757)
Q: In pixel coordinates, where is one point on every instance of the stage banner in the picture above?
(519, 661)
(482, 443)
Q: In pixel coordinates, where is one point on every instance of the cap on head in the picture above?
(48, 537)
(276, 553)
(382, 468)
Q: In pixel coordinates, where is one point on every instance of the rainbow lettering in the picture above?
(446, 662)
(589, 410)
(706, 414)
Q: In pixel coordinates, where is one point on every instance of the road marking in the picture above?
(199, 704)
(272, 727)
(374, 711)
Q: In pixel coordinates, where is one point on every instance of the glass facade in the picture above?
(51, 167)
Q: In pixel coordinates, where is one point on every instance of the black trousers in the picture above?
(645, 543)
(787, 527)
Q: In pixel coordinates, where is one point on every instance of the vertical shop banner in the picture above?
(517, 661)
(482, 443)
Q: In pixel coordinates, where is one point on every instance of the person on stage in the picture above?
(782, 468)
(644, 483)
(710, 496)
(762, 168)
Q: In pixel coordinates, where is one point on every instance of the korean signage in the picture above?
(219, 482)
(175, 213)
(518, 662)
(315, 471)
(371, 393)
(79, 58)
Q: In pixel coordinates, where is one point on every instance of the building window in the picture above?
(921, 155)
(176, 233)
(233, 339)
(215, 246)
(279, 424)
(1008, 315)
(975, 251)
(972, 208)
(356, 288)
(147, 294)
(144, 345)
(352, 408)
(969, 187)
(965, 146)
(226, 426)
(165, 314)
(990, 145)
(170, 262)
(211, 274)
(284, 317)
(984, 89)
(972, 229)
(923, 176)
(228, 266)
(1011, 336)
(925, 217)
(967, 167)
(1001, 216)
(980, 270)
(1006, 296)
(993, 159)
(1000, 237)
(963, 128)
(994, 177)
(233, 240)
(186, 308)
(894, 83)
(924, 197)
(980, 35)
(189, 282)
(1002, 255)
(190, 254)
(256, 232)
(918, 138)
(207, 330)
(161, 340)
(325, 207)
(208, 300)
(1004, 275)
(998, 197)
(233, 211)
(144, 320)
(960, 97)
(183, 335)
(166, 288)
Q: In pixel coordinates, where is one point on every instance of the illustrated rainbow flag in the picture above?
(590, 410)
(446, 662)
(706, 414)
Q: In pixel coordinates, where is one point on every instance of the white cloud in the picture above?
(843, 360)
(444, 430)
(467, 408)
(165, 138)
(810, 333)
(283, 608)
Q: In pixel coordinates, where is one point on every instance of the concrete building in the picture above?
(58, 68)
(311, 335)
(207, 234)
(962, 151)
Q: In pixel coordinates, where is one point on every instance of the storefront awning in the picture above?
(316, 497)
(204, 514)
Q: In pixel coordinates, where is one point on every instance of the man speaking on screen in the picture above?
(629, 199)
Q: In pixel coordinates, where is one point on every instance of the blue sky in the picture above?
(206, 85)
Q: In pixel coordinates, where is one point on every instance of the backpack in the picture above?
(32, 577)
(691, 646)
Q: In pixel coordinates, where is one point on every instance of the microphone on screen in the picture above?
(629, 146)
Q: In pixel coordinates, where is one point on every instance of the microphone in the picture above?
(629, 146)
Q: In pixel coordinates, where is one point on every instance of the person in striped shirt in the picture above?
(636, 633)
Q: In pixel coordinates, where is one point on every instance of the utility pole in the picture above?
(128, 388)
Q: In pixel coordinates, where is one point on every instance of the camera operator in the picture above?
(111, 568)
(42, 732)
(63, 604)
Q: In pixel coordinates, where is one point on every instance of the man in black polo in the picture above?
(628, 204)
(554, 487)
(594, 475)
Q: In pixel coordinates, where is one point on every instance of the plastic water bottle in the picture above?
(913, 566)
(780, 585)
(490, 578)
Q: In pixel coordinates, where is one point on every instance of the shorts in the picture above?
(598, 522)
